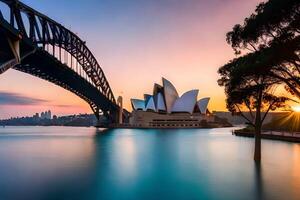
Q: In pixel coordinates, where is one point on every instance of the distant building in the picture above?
(36, 117)
(165, 109)
(72, 120)
(46, 115)
(42, 115)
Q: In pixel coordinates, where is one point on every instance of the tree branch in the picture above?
(270, 106)
(286, 81)
(253, 46)
(248, 106)
(242, 114)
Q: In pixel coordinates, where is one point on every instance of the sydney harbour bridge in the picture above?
(35, 44)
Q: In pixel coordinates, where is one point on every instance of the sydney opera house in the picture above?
(166, 109)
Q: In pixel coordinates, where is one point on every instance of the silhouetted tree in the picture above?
(270, 42)
(248, 89)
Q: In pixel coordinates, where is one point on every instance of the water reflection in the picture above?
(124, 154)
(258, 182)
(296, 170)
(42, 166)
(87, 163)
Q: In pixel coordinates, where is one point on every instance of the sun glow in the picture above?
(296, 108)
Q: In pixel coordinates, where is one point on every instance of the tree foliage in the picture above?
(270, 42)
(273, 20)
(250, 87)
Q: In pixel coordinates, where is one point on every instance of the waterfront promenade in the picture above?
(274, 135)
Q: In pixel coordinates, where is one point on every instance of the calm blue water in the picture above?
(85, 163)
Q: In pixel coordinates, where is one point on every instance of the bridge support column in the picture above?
(108, 120)
(15, 50)
(120, 112)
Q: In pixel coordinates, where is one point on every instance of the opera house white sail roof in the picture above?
(186, 103)
(171, 94)
(138, 104)
(202, 104)
(149, 103)
(165, 99)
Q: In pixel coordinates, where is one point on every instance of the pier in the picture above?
(272, 135)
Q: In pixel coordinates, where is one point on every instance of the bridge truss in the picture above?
(33, 37)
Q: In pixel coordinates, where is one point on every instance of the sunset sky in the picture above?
(136, 43)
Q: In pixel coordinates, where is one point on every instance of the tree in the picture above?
(248, 88)
(269, 42)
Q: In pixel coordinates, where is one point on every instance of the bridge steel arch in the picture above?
(33, 43)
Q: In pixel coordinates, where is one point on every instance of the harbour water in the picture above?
(65, 163)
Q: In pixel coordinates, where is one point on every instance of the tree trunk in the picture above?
(258, 125)
(257, 149)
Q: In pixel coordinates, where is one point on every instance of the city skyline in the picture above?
(173, 39)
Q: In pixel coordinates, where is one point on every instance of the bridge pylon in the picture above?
(120, 111)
